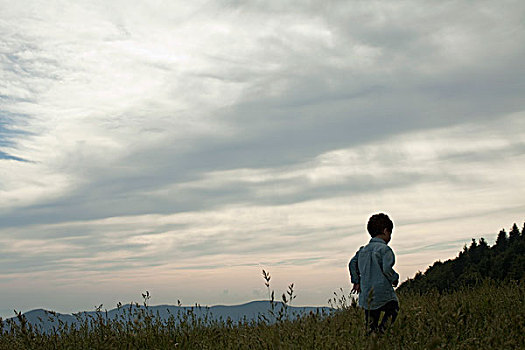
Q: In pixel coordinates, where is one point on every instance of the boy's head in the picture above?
(378, 223)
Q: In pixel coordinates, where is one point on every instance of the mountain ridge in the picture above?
(45, 320)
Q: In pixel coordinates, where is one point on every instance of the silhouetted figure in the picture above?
(373, 276)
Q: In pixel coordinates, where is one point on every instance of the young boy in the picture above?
(372, 274)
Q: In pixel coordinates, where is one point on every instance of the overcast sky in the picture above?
(181, 147)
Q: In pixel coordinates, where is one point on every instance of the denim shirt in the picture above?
(371, 267)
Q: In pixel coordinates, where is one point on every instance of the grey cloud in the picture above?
(301, 97)
(453, 244)
(183, 251)
(461, 157)
(118, 194)
(472, 214)
(98, 201)
(26, 66)
(29, 262)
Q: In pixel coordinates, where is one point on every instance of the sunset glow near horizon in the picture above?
(182, 147)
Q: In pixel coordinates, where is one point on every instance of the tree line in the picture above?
(503, 261)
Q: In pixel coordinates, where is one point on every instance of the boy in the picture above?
(372, 274)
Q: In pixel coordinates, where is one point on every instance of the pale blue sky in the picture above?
(181, 147)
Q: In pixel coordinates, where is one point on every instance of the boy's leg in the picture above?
(372, 319)
(391, 310)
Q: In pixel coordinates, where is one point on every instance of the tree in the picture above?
(501, 241)
(514, 233)
(482, 243)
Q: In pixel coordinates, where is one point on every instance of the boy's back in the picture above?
(372, 265)
(373, 276)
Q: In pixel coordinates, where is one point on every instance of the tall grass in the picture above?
(487, 316)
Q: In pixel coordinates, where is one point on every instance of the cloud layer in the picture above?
(188, 145)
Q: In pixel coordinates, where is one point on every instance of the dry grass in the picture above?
(488, 316)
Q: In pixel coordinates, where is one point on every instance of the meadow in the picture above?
(489, 315)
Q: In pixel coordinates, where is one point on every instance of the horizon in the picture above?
(4, 314)
(181, 148)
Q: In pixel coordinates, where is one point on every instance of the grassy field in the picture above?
(488, 316)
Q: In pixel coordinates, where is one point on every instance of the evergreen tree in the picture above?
(514, 234)
(501, 241)
(483, 244)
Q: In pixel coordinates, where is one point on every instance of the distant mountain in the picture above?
(253, 311)
(505, 260)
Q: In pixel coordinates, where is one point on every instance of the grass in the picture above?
(487, 316)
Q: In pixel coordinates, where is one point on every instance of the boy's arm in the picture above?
(388, 263)
(355, 276)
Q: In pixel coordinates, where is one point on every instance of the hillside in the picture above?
(505, 260)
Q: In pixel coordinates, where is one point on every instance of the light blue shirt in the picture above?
(372, 267)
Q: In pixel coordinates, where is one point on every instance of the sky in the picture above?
(182, 147)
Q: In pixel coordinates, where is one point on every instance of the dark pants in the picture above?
(372, 316)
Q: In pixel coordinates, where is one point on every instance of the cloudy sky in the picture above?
(181, 147)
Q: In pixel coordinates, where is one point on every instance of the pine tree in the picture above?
(514, 233)
(501, 241)
(483, 244)
(473, 245)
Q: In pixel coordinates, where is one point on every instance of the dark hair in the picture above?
(377, 224)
